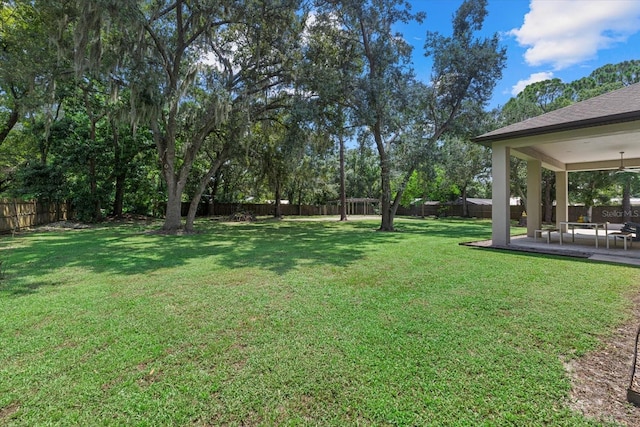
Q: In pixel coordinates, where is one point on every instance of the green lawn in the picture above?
(295, 323)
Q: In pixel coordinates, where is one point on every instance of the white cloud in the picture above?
(533, 78)
(566, 32)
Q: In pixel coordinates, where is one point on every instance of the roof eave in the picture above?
(579, 124)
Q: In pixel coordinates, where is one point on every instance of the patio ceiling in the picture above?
(588, 135)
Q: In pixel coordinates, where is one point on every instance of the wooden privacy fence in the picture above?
(265, 209)
(227, 209)
(444, 210)
(612, 214)
(18, 214)
(261, 209)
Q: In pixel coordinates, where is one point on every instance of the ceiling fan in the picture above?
(623, 169)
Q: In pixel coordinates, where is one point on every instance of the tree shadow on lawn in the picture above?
(287, 246)
(278, 247)
(23, 289)
(463, 229)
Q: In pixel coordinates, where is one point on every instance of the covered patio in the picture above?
(589, 135)
(582, 247)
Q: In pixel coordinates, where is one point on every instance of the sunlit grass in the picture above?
(310, 323)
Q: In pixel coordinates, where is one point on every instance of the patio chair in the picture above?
(632, 227)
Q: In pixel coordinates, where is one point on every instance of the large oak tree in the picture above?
(465, 70)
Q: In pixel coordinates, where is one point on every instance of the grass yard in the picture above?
(295, 323)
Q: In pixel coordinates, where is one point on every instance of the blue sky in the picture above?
(567, 39)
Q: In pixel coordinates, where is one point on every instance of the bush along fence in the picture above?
(18, 214)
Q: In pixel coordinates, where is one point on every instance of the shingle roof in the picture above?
(613, 107)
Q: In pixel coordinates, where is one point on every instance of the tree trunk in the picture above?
(343, 190)
(193, 210)
(214, 192)
(278, 209)
(396, 201)
(120, 172)
(386, 223)
(12, 120)
(96, 215)
(195, 201)
(118, 202)
(626, 200)
(173, 214)
(165, 144)
(299, 201)
(465, 206)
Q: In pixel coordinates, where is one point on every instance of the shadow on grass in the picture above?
(20, 289)
(280, 247)
(275, 246)
(461, 229)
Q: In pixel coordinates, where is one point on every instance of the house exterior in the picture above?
(588, 135)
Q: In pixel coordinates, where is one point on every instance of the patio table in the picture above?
(572, 225)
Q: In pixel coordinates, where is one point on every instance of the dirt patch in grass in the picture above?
(8, 411)
(63, 225)
(77, 225)
(600, 379)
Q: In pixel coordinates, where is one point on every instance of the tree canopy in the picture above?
(144, 106)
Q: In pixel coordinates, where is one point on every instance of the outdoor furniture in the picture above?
(541, 231)
(572, 226)
(620, 235)
(632, 227)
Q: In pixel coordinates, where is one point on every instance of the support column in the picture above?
(562, 197)
(501, 193)
(534, 196)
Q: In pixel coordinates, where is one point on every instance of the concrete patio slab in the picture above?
(582, 246)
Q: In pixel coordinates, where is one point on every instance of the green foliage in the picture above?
(440, 188)
(466, 67)
(605, 79)
(38, 181)
(19, 148)
(465, 162)
(547, 95)
(314, 180)
(89, 89)
(30, 69)
(415, 189)
(362, 172)
(81, 165)
(592, 188)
